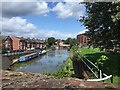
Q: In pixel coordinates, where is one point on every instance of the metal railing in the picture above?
(17, 53)
(100, 76)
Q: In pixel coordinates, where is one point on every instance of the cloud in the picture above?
(17, 26)
(13, 9)
(73, 1)
(69, 9)
(55, 33)
(63, 10)
(81, 32)
(20, 0)
(42, 0)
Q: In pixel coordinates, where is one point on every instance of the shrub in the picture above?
(100, 62)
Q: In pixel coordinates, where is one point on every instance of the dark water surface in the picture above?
(50, 62)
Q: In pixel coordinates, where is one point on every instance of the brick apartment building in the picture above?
(82, 39)
(16, 43)
(20, 43)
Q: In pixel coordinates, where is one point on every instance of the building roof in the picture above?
(21, 38)
(82, 34)
(28, 40)
(15, 38)
(4, 38)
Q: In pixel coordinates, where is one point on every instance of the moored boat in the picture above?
(43, 52)
(28, 57)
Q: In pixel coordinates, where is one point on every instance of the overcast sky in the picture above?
(42, 19)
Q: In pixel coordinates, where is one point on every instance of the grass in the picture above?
(116, 80)
(110, 66)
(85, 50)
(66, 71)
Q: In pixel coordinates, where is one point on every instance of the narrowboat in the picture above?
(28, 57)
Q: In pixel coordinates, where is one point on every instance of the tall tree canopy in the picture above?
(71, 41)
(103, 22)
(51, 41)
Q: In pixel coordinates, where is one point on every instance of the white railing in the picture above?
(101, 74)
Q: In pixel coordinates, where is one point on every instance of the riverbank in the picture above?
(111, 66)
(22, 80)
(12, 58)
(52, 61)
(66, 71)
(93, 54)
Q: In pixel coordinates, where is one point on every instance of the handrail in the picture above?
(101, 79)
(98, 79)
(90, 69)
(91, 63)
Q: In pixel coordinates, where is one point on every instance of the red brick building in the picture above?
(82, 39)
(20, 43)
(16, 43)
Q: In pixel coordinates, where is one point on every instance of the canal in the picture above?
(50, 62)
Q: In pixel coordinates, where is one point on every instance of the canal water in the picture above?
(50, 62)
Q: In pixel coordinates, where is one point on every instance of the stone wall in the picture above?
(20, 80)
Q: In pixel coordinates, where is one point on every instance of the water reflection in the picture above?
(50, 62)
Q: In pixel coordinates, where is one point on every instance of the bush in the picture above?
(100, 62)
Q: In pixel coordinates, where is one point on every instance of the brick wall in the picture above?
(82, 39)
(16, 43)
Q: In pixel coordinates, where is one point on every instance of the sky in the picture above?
(42, 19)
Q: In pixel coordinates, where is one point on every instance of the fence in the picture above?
(17, 53)
(99, 75)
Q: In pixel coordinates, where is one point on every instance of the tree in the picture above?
(2, 46)
(71, 41)
(51, 41)
(103, 22)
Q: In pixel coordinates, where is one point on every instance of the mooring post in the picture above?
(111, 79)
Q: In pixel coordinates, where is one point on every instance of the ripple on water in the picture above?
(50, 62)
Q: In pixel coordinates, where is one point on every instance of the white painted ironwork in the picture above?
(100, 74)
(100, 78)
(90, 69)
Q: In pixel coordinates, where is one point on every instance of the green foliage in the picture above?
(110, 62)
(64, 72)
(51, 41)
(89, 51)
(116, 16)
(100, 62)
(61, 73)
(103, 22)
(71, 41)
(3, 48)
(74, 53)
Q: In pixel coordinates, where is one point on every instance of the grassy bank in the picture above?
(93, 54)
(66, 71)
(111, 66)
